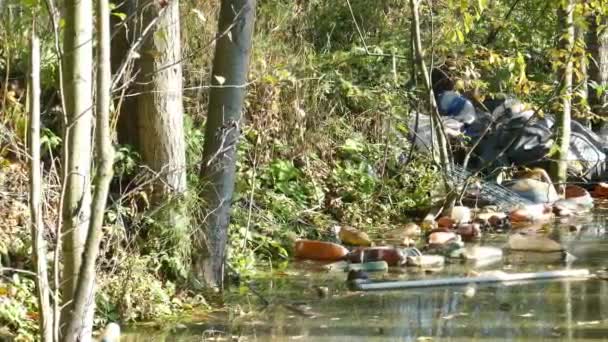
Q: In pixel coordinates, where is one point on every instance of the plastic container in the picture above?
(319, 250)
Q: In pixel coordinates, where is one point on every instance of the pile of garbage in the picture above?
(507, 132)
(451, 237)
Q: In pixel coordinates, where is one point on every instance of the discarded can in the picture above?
(373, 266)
(393, 256)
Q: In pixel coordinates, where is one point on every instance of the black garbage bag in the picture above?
(510, 135)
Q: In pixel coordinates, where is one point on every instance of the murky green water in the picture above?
(550, 311)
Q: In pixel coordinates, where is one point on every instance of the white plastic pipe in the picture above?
(494, 278)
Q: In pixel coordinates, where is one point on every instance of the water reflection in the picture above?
(556, 311)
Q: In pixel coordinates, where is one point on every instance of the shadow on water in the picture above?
(551, 311)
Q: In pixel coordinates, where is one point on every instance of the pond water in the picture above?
(575, 310)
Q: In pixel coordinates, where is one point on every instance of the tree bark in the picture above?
(229, 77)
(597, 50)
(153, 120)
(581, 81)
(559, 169)
(37, 228)
(77, 66)
(84, 299)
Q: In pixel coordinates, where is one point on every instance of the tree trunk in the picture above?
(153, 120)
(581, 81)
(229, 77)
(37, 228)
(597, 50)
(84, 299)
(444, 158)
(77, 66)
(562, 120)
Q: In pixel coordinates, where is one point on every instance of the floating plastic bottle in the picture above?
(319, 250)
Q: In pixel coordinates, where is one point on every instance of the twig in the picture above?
(133, 49)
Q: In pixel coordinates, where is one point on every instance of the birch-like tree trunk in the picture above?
(229, 78)
(37, 228)
(84, 299)
(559, 169)
(77, 67)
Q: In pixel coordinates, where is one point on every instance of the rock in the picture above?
(426, 261)
(353, 236)
(461, 214)
(393, 256)
(319, 250)
(469, 231)
(533, 242)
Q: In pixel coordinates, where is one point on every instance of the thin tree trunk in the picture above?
(77, 65)
(84, 300)
(39, 244)
(229, 77)
(444, 158)
(562, 120)
(581, 82)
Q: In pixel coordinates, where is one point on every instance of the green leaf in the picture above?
(460, 36)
